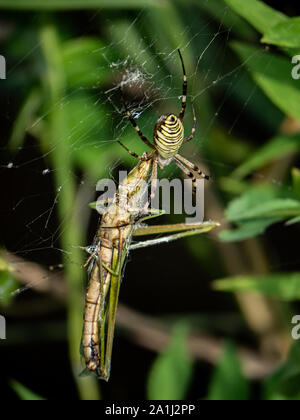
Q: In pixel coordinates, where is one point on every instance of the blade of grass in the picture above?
(296, 182)
(272, 73)
(285, 287)
(219, 10)
(77, 4)
(283, 384)
(172, 371)
(24, 119)
(24, 393)
(284, 34)
(171, 37)
(228, 382)
(71, 234)
(275, 149)
(259, 14)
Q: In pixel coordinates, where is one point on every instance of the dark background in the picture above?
(168, 282)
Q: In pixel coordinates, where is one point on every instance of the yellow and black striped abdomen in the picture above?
(168, 136)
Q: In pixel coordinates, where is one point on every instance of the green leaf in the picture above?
(229, 19)
(228, 382)
(260, 15)
(229, 148)
(171, 372)
(87, 126)
(8, 283)
(134, 46)
(284, 34)
(285, 286)
(84, 63)
(261, 202)
(256, 210)
(24, 393)
(77, 4)
(25, 119)
(276, 148)
(91, 142)
(273, 74)
(296, 182)
(248, 230)
(293, 221)
(284, 384)
(239, 206)
(234, 186)
(284, 207)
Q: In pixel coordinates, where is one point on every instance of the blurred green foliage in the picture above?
(228, 381)
(8, 283)
(283, 384)
(61, 79)
(24, 393)
(171, 372)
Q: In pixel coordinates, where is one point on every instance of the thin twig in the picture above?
(144, 330)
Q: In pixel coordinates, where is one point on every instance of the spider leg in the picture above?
(91, 257)
(133, 122)
(129, 151)
(184, 89)
(187, 172)
(193, 129)
(192, 166)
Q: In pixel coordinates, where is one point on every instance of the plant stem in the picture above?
(72, 234)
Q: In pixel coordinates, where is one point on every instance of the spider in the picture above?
(168, 138)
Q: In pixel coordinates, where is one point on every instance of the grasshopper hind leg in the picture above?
(94, 300)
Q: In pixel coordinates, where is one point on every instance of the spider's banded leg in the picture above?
(129, 151)
(133, 122)
(192, 166)
(193, 129)
(88, 249)
(187, 172)
(92, 256)
(184, 89)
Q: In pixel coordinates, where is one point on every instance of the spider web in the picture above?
(151, 88)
